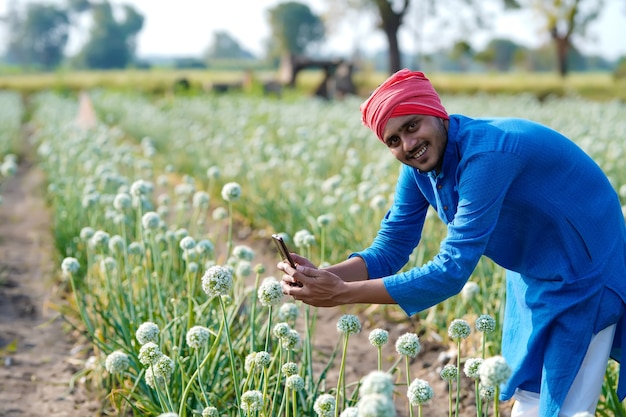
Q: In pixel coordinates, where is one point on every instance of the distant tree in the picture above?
(111, 43)
(462, 53)
(224, 46)
(294, 28)
(466, 16)
(499, 54)
(78, 6)
(390, 16)
(563, 19)
(39, 37)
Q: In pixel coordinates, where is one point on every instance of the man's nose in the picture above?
(408, 142)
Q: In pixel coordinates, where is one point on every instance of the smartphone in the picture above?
(282, 248)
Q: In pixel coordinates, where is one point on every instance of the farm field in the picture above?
(149, 196)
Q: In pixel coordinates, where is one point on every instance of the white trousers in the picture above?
(585, 391)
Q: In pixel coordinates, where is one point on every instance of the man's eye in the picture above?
(393, 141)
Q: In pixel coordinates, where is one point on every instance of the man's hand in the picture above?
(316, 287)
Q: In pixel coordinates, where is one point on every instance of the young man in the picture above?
(524, 196)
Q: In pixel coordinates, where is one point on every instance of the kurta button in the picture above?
(439, 186)
(445, 207)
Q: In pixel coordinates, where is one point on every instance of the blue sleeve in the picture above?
(400, 230)
(483, 182)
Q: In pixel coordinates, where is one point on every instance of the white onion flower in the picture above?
(99, 240)
(486, 392)
(378, 337)
(291, 340)
(219, 213)
(213, 172)
(377, 382)
(70, 265)
(295, 382)
(243, 252)
(134, 248)
(325, 220)
(204, 247)
(471, 367)
(270, 292)
(231, 191)
(117, 362)
(281, 329)
(201, 199)
(187, 243)
(324, 405)
(419, 392)
(408, 345)
(116, 244)
(163, 367)
(376, 405)
(243, 269)
(149, 354)
(251, 401)
(108, 264)
(288, 312)
(459, 329)
(122, 201)
(494, 371)
(348, 324)
(350, 412)
(289, 368)
(140, 188)
(86, 233)
(147, 332)
(485, 323)
(197, 337)
(303, 239)
(469, 291)
(210, 412)
(150, 220)
(217, 280)
(449, 373)
(262, 359)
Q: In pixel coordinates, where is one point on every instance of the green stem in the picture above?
(229, 241)
(496, 402)
(458, 376)
(340, 385)
(183, 400)
(232, 356)
(408, 380)
(253, 315)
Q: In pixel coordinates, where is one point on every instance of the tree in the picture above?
(499, 54)
(294, 28)
(111, 43)
(224, 46)
(563, 19)
(392, 14)
(39, 37)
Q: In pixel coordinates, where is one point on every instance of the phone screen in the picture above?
(282, 248)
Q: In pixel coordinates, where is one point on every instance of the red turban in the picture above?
(405, 92)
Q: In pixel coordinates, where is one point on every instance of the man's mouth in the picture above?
(419, 152)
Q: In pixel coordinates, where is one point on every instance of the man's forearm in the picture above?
(360, 289)
(352, 269)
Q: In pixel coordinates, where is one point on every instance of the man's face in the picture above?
(417, 140)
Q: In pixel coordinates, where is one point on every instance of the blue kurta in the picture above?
(532, 201)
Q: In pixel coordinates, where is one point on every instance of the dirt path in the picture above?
(37, 357)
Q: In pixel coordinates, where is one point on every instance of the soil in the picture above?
(40, 356)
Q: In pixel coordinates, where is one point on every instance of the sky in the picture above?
(186, 27)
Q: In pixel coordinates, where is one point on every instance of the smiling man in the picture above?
(519, 193)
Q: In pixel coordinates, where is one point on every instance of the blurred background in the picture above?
(279, 38)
